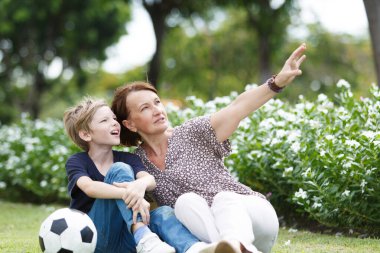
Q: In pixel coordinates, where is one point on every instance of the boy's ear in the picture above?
(129, 124)
(84, 135)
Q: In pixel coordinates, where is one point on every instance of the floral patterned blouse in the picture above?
(194, 163)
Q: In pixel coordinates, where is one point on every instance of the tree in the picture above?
(270, 25)
(33, 34)
(372, 8)
(159, 11)
(216, 59)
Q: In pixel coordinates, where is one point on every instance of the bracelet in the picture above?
(273, 86)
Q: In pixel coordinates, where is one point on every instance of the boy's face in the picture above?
(105, 130)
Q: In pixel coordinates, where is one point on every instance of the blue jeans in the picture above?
(113, 220)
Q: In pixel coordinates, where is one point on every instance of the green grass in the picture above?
(20, 223)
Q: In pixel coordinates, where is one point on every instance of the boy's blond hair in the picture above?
(79, 118)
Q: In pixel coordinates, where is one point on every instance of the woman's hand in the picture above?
(291, 67)
(142, 207)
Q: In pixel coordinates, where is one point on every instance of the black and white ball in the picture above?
(67, 230)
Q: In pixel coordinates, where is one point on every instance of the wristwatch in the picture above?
(273, 86)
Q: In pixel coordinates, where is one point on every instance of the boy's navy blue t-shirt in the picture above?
(80, 164)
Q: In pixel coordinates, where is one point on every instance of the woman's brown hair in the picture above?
(119, 107)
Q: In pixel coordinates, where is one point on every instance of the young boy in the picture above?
(102, 184)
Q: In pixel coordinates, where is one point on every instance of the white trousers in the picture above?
(249, 219)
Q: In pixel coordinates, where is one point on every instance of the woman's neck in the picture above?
(156, 145)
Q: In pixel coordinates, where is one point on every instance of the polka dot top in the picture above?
(194, 163)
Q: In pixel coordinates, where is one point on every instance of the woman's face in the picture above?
(147, 113)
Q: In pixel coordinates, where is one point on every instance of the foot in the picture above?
(220, 247)
(202, 247)
(152, 244)
(226, 247)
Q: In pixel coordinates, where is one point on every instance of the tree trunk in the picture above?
(38, 87)
(372, 8)
(158, 17)
(264, 58)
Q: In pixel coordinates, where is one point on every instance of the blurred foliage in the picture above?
(206, 54)
(331, 57)
(209, 63)
(213, 62)
(268, 21)
(34, 35)
(165, 15)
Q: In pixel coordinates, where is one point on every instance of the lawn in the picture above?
(20, 223)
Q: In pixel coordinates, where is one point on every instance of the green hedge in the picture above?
(320, 158)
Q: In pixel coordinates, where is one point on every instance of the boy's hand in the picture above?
(133, 192)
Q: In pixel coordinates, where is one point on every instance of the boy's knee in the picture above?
(120, 172)
(120, 167)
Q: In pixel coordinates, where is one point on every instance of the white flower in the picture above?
(347, 165)
(316, 205)
(352, 143)
(290, 169)
(170, 106)
(250, 86)
(322, 97)
(369, 172)
(287, 171)
(343, 83)
(329, 137)
(287, 243)
(294, 135)
(314, 123)
(306, 173)
(222, 100)
(280, 133)
(275, 141)
(3, 185)
(369, 134)
(296, 147)
(301, 194)
(363, 183)
(267, 123)
(346, 193)
(43, 183)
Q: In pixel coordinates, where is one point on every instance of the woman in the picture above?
(187, 162)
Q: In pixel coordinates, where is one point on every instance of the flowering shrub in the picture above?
(32, 160)
(321, 157)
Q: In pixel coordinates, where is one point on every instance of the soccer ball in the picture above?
(67, 230)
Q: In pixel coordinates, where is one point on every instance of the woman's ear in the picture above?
(84, 135)
(129, 124)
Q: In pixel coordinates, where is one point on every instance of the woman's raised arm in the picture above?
(227, 119)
